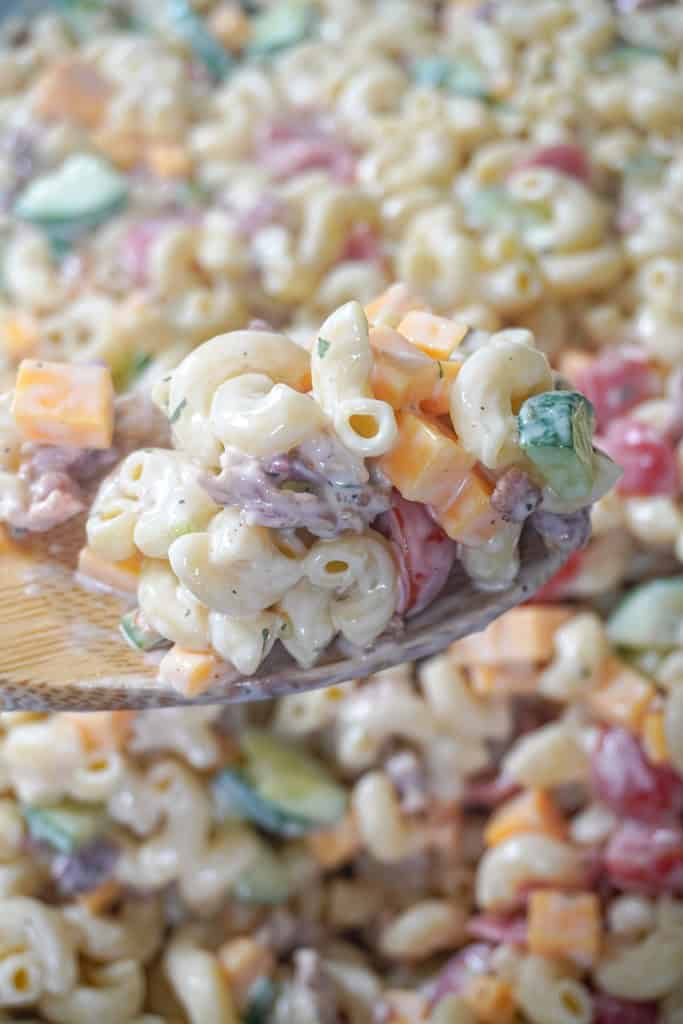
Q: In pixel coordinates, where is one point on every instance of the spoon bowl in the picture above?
(60, 648)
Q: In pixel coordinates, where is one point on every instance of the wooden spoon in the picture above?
(60, 646)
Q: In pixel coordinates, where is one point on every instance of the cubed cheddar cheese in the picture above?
(572, 361)
(63, 403)
(189, 672)
(335, 846)
(438, 402)
(565, 924)
(74, 90)
(654, 737)
(391, 306)
(491, 999)
(18, 336)
(122, 576)
(229, 23)
(427, 462)
(244, 961)
(168, 160)
(532, 811)
(103, 730)
(523, 634)
(435, 335)
(469, 517)
(405, 1006)
(401, 374)
(623, 695)
(124, 149)
(503, 680)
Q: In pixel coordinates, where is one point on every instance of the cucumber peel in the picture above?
(138, 633)
(66, 826)
(555, 432)
(279, 788)
(192, 29)
(650, 616)
(280, 27)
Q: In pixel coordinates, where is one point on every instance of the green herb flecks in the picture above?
(323, 347)
(175, 415)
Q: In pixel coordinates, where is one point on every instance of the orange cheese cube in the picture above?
(405, 1006)
(503, 680)
(189, 672)
(624, 696)
(401, 374)
(523, 634)
(390, 307)
(435, 335)
(122, 576)
(427, 463)
(567, 925)
(654, 737)
(62, 403)
(103, 730)
(18, 336)
(231, 25)
(7, 545)
(491, 999)
(168, 160)
(572, 361)
(332, 847)
(438, 403)
(470, 517)
(244, 961)
(533, 811)
(74, 90)
(124, 149)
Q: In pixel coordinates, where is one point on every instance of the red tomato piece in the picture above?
(363, 244)
(633, 786)
(615, 382)
(646, 456)
(643, 858)
(610, 1010)
(303, 144)
(565, 157)
(425, 554)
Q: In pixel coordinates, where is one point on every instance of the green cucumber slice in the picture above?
(264, 880)
(493, 207)
(82, 193)
(432, 72)
(279, 788)
(283, 25)
(65, 826)
(138, 633)
(555, 432)
(651, 615)
(461, 76)
(622, 56)
(260, 999)
(192, 29)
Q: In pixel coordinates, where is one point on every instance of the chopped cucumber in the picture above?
(432, 72)
(260, 999)
(264, 880)
(555, 431)
(461, 76)
(65, 826)
(82, 193)
(622, 56)
(192, 29)
(280, 788)
(650, 616)
(494, 207)
(645, 167)
(138, 633)
(281, 26)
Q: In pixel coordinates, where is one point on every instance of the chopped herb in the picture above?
(175, 415)
(265, 634)
(323, 347)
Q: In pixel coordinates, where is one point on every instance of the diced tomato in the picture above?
(363, 244)
(565, 157)
(451, 980)
(645, 859)
(615, 382)
(508, 929)
(303, 144)
(424, 553)
(610, 1010)
(556, 588)
(633, 786)
(646, 456)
